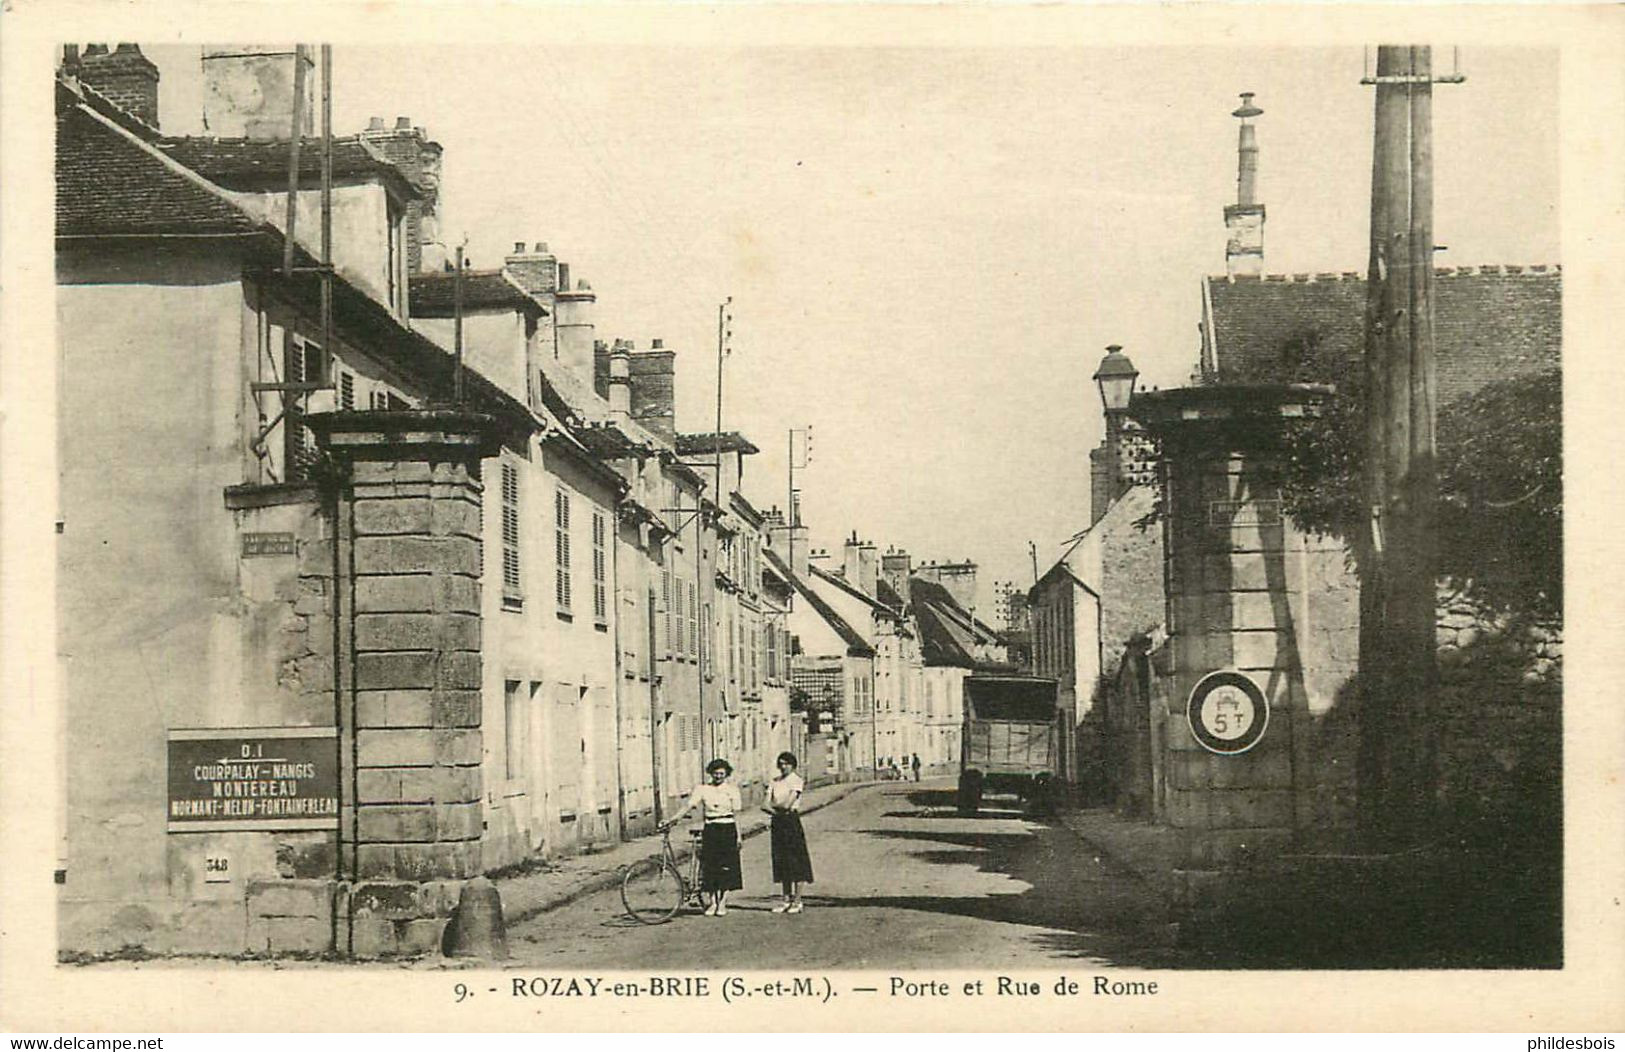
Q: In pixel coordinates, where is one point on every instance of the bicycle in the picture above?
(655, 888)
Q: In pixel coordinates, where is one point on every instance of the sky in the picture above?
(928, 249)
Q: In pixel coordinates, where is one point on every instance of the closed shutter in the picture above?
(510, 531)
(600, 568)
(561, 548)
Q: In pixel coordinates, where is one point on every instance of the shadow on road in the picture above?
(1094, 908)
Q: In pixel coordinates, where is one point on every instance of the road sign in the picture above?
(1227, 712)
(252, 778)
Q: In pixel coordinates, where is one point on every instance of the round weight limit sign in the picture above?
(1227, 713)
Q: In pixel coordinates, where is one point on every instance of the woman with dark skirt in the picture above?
(718, 801)
(791, 865)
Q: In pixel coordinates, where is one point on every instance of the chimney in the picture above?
(895, 569)
(125, 76)
(1102, 484)
(410, 149)
(573, 310)
(537, 271)
(248, 92)
(1244, 251)
(654, 391)
(620, 380)
(959, 579)
(600, 368)
(859, 564)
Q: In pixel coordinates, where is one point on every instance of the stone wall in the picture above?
(1500, 711)
(410, 553)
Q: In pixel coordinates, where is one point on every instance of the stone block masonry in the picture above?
(410, 541)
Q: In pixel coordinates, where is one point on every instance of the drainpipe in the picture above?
(615, 571)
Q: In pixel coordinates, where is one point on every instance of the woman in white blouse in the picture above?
(791, 865)
(719, 803)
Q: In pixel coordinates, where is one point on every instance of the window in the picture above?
(346, 390)
(561, 549)
(693, 622)
(709, 627)
(383, 398)
(514, 722)
(600, 569)
(302, 363)
(772, 652)
(510, 535)
(665, 604)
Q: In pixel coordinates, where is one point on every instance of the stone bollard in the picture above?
(476, 928)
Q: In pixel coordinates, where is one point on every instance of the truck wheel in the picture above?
(1041, 797)
(970, 793)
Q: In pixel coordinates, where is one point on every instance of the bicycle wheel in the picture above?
(651, 891)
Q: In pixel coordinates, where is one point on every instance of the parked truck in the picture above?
(1009, 744)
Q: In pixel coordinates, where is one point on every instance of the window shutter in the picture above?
(600, 568)
(561, 535)
(510, 530)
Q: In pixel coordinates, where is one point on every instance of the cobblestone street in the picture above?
(903, 882)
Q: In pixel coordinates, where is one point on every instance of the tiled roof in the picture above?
(732, 442)
(888, 595)
(852, 590)
(948, 633)
(1490, 323)
(259, 164)
(111, 182)
(105, 184)
(856, 645)
(433, 295)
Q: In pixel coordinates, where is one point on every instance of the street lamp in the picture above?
(1116, 378)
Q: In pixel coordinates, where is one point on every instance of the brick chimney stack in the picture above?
(896, 567)
(654, 384)
(248, 92)
(1244, 251)
(537, 271)
(411, 150)
(125, 76)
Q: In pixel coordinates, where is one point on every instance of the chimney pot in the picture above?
(403, 124)
(657, 343)
(95, 49)
(518, 248)
(375, 124)
(541, 248)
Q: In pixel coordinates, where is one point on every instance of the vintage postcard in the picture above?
(933, 517)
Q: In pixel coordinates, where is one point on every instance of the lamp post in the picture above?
(1116, 378)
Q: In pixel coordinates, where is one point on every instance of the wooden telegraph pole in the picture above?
(1398, 669)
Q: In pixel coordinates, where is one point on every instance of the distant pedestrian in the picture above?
(719, 802)
(792, 866)
(915, 764)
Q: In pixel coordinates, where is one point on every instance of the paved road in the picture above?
(903, 882)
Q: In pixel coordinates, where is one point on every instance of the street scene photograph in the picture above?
(584, 507)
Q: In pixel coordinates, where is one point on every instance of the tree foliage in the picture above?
(1500, 464)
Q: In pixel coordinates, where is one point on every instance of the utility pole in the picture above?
(1398, 671)
(792, 501)
(712, 607)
